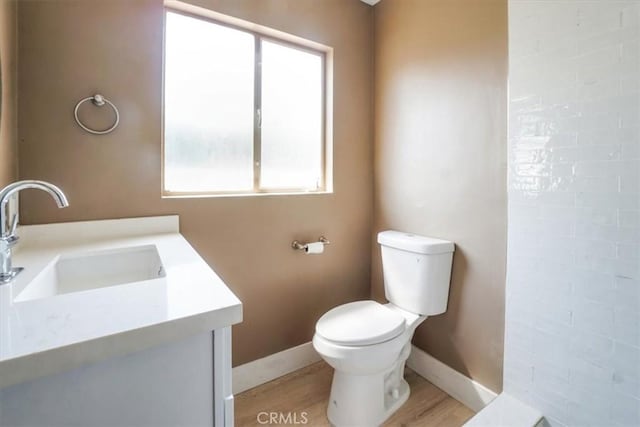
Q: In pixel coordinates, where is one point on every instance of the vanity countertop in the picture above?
(49, 335)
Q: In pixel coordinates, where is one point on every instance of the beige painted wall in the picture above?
(440, 162)
(8, 86)
(71, 49)
(439, 156)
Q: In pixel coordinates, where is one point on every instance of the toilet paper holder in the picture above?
(302, 246)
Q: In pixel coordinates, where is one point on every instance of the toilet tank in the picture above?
(417, 271)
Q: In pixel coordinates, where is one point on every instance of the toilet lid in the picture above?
(360, 323)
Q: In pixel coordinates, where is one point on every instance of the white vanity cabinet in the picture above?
(155, 353)
(183, 383)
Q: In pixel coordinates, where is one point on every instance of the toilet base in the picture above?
(366, 400)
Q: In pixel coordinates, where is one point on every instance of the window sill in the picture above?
(230, 195)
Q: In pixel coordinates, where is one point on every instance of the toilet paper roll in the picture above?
(314, 248)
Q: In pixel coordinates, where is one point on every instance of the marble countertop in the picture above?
(44, 336)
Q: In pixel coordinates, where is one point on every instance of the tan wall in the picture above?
(440, 161)
(71, 49)
(8, 86)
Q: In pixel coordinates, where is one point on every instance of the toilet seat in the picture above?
(360, 323)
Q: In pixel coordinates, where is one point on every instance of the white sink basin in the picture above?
(93, 270)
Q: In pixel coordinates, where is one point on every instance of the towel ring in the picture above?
(99, 101)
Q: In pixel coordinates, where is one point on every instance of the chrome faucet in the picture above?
(8, 238)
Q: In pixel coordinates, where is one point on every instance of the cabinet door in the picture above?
(165, 386)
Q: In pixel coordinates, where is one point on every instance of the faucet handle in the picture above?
(9, 241)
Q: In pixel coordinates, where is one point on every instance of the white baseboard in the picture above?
(470, 393)
(269, 368)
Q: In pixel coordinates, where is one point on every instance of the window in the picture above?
(243, 112)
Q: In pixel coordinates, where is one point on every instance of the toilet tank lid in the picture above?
(414, 243)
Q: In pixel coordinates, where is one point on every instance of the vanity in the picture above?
(106, 313)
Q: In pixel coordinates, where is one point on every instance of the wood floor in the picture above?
(307, 390)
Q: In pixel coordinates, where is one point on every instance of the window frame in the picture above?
(259, 34)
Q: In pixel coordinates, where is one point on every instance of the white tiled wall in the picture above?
(573, 282)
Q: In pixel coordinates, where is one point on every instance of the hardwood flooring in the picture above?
(307, 390)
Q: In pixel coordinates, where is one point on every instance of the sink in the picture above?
(93, 270)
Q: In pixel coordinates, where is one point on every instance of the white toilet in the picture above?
(367, 343)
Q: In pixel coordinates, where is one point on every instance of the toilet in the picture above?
(368, 343)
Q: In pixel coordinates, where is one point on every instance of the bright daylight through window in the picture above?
(243, 112)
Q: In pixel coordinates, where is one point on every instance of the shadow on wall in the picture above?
(8, 118)
(451, 318)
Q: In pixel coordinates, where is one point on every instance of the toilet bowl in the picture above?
(368, 343)
(368, 384)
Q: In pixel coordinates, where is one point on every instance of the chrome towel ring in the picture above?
(99, 101)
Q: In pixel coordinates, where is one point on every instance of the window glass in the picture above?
(209, 106)
(291, 117)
